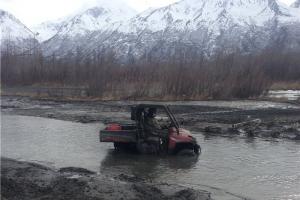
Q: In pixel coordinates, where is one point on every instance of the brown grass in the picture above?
(292, 85)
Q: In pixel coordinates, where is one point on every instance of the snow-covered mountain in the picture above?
(80, 29)
(15, 36)
(215, 25)
(47, 30)
(191, 26)
(214, 14)
(296, 4)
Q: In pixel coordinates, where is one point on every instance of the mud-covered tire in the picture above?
(187, 149)
(197, 149)
(117, 146)
(186, 152)
(148, 148)
(124, 146)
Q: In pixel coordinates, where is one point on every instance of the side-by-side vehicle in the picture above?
(166, 137)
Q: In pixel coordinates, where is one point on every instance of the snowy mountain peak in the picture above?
(15, 37)
(274, 6)
(106, 15)
(112, 5)
(198, 25)
(46, 30)
(193, 14)
(96, 11)
(12, 29)
(103, 17)
(97, 15)
(6, 15)
(296, 4)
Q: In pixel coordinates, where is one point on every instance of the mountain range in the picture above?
(188, 27)
(15, 36)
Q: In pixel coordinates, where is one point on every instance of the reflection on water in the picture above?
(254, 168)
(144, 166)
(57, 142)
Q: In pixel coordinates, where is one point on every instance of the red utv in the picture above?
(135, 136)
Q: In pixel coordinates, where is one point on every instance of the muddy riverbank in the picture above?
(217, 118)
(25, 180)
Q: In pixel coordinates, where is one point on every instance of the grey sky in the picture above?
(33, 12)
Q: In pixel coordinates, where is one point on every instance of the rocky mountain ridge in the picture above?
(189, 27)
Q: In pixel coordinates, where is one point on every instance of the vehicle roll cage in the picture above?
(136, 111)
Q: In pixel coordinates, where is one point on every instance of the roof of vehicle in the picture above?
(157, 105)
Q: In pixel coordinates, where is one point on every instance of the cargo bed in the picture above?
(128, 134)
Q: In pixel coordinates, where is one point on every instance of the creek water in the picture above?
(252, 168)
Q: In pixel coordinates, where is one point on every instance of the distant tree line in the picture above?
(222, 76)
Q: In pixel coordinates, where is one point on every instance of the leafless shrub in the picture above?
(183, 75)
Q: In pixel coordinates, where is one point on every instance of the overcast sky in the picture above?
(32, 12)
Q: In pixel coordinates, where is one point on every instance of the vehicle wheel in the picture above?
(186, 152)
(117, 145)
(197, 149)
(141, 147)
(148, 148)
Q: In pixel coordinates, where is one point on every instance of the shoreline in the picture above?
(211, 118)
(77, 94)
(26, 180)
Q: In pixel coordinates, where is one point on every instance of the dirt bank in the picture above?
(24, 180)
(211, 118)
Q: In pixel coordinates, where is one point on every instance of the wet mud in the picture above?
(25, 180)
(212, 118)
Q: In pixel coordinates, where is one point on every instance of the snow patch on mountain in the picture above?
(12, 29)
(16, 38)
(107, 15)
(99, 15)
(82, 28)
(296, 4)
(48, 29)
(214, 14)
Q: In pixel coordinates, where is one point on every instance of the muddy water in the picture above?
(257, 169)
